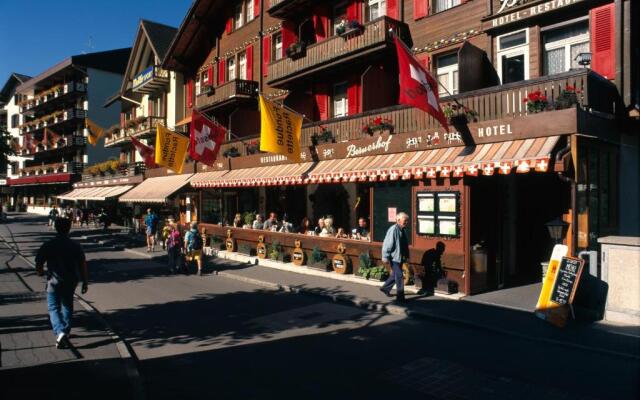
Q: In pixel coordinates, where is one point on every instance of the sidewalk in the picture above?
(30, 364)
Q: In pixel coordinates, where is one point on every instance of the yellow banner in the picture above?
(95, 131)
(280, 130)
(171, 149)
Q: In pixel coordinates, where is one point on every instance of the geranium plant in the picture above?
(567, 98)
(536, 102)
(253, 147)
(378, 124)
(453, 111)
(347, 26)
(325, 136)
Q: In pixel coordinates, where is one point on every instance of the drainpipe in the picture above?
(261, 35)
(619, 42)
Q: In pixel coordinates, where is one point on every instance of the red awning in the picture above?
(41, 179)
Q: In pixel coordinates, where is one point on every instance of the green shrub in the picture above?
(317, 255)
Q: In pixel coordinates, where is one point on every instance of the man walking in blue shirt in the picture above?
(395, 251)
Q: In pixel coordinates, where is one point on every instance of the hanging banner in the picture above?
(171, 149)
(280, 130)
(95, 131)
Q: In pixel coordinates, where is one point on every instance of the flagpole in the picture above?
(436, 79)
(216, 123)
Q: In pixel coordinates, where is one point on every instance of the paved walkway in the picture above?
(31, 366)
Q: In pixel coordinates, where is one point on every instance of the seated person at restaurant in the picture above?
(237, 221)
(362, 231)
(305, 226)
(341, 234)
(257, 223)
(318, 229)
(271, 224)
(328, 230)
(287, 227)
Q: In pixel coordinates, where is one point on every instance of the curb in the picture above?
(419, 314)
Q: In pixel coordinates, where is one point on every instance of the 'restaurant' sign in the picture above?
(507, 17)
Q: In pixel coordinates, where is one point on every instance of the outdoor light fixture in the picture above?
(557, 229)
(583, 59)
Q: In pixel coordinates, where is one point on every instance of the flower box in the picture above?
(296, 50)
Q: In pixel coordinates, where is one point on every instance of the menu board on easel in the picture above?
(567, 279)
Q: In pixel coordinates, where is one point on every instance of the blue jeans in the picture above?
(396, 278)
(60, 304)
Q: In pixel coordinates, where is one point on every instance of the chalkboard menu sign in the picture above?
(566, 280)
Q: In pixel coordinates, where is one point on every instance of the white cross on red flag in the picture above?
(148, 153)
(206, 138)
(417, 87)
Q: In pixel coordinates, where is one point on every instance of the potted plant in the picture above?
(459, 114)
(248, 217)
(378, 124)
(536, 102)
(103, 168)
(567, 98)
(231, 152)
(253, 147)
(325, 136)
(364, 264)
(296, 50)
(130, 124)
(348, 28)
(319, 260)
(114, 166)
(275, 251)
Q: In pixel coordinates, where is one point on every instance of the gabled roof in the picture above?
(159, 38)
(11, 84)
(110, 61)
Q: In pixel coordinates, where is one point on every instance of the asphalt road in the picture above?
(214, 337)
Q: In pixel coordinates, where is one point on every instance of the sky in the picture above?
(37, 34)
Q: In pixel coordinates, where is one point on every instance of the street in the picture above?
(217, 337)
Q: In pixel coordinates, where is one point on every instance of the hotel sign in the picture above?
(526, 12)
(143, 77)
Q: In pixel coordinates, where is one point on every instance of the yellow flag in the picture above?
(280, 130)
(171, 149)
(95, 131)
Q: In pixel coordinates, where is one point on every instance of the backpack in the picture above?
(195, 241)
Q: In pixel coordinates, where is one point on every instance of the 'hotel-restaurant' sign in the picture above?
(143, 77)
(507, 16)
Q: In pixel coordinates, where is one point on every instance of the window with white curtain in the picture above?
(340, 102)
(562, 45)
(231, 69)
(277, 46)
(513, 56)
(238, 17)
(447, 72)
(250, 15)
(377, 8)
(242, 65)
(441, 5)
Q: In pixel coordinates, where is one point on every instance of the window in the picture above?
(238, 17)
(513, 56)
(276, 44)
(561, 46)
(339, 14)
(242, 65)
(250, 15)
(340, 102)
(441, 5)
(198, 85)
(15, 120)
(447, 71)
(231, 69)
(376, 9)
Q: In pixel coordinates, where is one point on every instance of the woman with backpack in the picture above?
(193, 247)
(174, 248)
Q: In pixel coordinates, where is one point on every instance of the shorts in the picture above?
(150, 231)
(194, 255)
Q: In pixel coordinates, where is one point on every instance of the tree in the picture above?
(6, 149)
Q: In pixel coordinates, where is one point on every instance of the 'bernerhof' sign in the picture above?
(143, 77)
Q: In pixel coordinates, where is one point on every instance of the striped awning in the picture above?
(100, 193)
(156, 190)
(287, 174)
(485, 159)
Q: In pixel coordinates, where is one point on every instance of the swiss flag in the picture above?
(206, 138)
(417, 87)
(147, 153)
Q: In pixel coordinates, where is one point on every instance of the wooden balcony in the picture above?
(334, 51)
(229, 93)
(286, 8)
(150, 80)
(594, 94)
(53, 97)
(63, 143)
(53, 119)
(72, 167)
(142, 128)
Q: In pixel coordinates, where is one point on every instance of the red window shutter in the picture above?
(229, 26)
(321, 23)
(322, 101)
(256, 8)
(392, 9)
(603, 59)
(150, 108)
(190, 93)
(354, 11)
(353, 96)
(420, 8)
(221, 71)
(249, 63)
(266, 54)
(210, 75)
(288, 34)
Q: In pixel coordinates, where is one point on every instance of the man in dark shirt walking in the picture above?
(66, 265)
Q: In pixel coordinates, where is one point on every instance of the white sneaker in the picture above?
(61, 341)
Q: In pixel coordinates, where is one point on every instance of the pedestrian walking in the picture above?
(85, 217)
(395, 251)
(151, 221)
(193, 247)
(66, 264)
(53, 214)
(174, 248)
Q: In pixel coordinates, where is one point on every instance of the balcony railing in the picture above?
(52, 119)
(63, 142)
(593, 93)
(335, 50)
(55, 168)
(135, 128)
(52, 96)
(285, 8)
(150, 80)
(124, 170)
(228, 92)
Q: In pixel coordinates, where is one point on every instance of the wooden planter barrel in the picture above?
(230, 243)
(261, 248)
(340, 262)
(297, 254)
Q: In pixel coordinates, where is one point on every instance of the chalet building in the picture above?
(53, 110)
(10, 119)
(542, 98)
